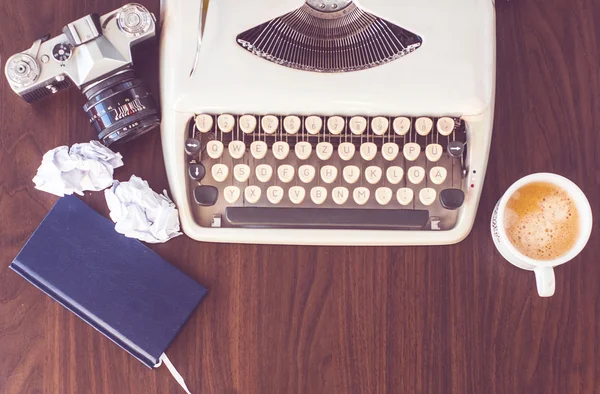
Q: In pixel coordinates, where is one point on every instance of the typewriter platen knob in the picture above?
(134, 20)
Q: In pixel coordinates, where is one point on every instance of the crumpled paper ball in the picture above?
(85, 167)
(141, 213)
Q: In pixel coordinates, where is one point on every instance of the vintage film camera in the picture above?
(94, 54)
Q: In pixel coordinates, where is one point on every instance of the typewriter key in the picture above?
(206, 196)
(197, 172)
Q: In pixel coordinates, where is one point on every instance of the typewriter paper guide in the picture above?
(451, 73)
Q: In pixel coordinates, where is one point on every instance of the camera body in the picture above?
(94, 54)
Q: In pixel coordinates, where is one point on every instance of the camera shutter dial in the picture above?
(134, 20)
(62, 52)
(22, 70)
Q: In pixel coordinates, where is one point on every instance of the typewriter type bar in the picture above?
(330, 37)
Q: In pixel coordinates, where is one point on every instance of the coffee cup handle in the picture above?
(544, 278)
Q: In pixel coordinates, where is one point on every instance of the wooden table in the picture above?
(278, 319)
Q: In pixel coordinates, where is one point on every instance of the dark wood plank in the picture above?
(282, 319)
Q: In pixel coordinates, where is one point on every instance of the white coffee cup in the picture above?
(543, 269)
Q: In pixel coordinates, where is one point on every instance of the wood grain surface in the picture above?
(279, 319)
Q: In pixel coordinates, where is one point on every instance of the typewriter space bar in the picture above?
(383, 219)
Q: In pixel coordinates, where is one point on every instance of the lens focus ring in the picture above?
(121, 108)
(134, 20)
(22, 70)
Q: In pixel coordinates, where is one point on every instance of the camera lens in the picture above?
(121, 108)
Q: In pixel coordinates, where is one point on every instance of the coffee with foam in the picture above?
(541, 221)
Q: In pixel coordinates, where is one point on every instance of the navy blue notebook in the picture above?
(114, 283)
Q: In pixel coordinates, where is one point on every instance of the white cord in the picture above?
(173, 371)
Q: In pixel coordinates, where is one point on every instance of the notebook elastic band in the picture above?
(173, 371)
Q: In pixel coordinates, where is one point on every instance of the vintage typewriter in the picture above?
(327, 122)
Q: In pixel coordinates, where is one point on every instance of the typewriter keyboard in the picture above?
(286, 171)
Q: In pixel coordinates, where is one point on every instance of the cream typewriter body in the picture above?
(281, 125)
